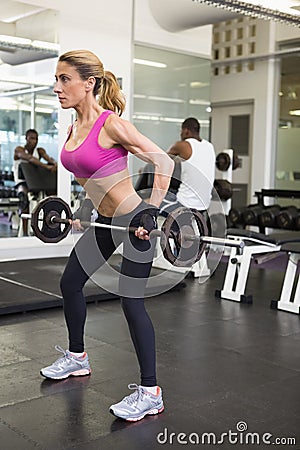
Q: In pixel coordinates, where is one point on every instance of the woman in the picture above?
(96, 152)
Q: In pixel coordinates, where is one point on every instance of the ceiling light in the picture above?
(44, 110)
(139, 96)
(166, 99)
(198, 101)
(279, 10)
(140, 116)
(42, 45)
(46, 101)
(292, 94)
(295, 112)
(145, 62)
(19, 43)
(145, 117)
(14, 40)
(24, 91)
(198, 84)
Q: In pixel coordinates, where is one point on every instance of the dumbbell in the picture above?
(223, 161)
(286, 218)
(297, 221)
(252, 213)
(235, 215)
(268, 217)
(9, 192)
(6, 192)
(223, 189)
(10, 176)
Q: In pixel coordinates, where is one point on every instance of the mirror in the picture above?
(287, 175)
(28, 52)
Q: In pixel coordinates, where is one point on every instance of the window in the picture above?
(240, 33)
(253, 30)
(227, 35)
(239, 68)
(252, 47)
(17, 113)
(287, 154)
(239, 139)
(239, 50)
(227, 52)
(216, 38)
(165, 96)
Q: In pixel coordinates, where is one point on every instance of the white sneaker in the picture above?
(138, 404)
(66, 366)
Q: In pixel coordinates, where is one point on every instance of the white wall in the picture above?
(43, 25)
(147, 31)
(287, 32)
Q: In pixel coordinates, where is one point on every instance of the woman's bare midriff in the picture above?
(113, 195)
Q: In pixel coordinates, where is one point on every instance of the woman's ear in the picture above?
(90, 83)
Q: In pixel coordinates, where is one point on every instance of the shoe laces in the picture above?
(66, 358)
(134, 397)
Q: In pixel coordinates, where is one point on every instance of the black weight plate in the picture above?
(223, 161)
(43, 228)
(179, 251)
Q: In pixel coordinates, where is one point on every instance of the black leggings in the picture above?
(91, 251)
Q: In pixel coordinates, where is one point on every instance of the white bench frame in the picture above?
(288, 302)
(237, 274)
(238, 267)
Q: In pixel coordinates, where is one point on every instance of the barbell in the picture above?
(50, 221)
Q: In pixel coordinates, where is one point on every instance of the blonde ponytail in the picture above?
(110, 94)
(106, 87)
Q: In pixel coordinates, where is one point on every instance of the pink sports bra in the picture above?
(89, 159)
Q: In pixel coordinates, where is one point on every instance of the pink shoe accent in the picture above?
(81, 372)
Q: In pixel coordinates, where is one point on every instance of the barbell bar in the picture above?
(154, 233)
(55, 217)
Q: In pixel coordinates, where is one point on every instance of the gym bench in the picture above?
(263, 248)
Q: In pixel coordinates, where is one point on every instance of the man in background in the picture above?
(197, 158)
(31, 154)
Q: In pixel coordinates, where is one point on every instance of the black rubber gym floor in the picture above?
(230, 373)
(34, 284)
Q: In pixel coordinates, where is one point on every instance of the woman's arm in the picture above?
(122, 132)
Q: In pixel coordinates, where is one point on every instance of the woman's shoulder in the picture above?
(113, 121)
